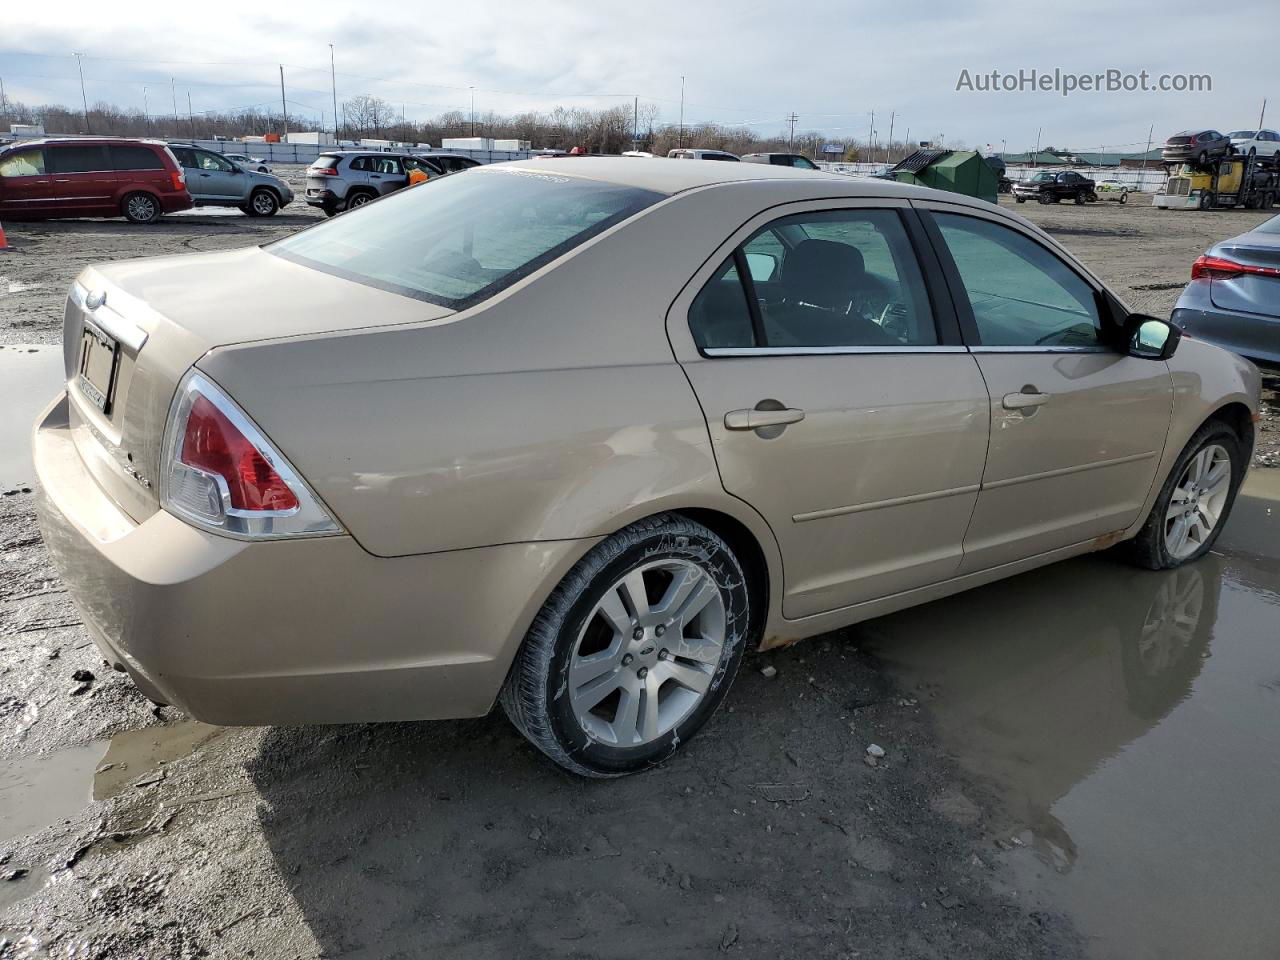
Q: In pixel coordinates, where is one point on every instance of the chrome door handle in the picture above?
(755, 419)
(1024, 401)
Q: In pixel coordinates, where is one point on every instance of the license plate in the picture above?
(99, 358)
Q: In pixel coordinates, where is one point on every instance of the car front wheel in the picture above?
(263, 203)
(634, 650)
(1195, 500)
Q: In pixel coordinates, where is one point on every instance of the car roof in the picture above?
(669, 176)
(85, 141)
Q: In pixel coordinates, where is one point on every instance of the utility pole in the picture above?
(173, 93)
(404, 132)
(791, 137)
(84, 99)
(888, 147)
(473, 111)
(4, 104)
(1036, 155)
(146, 109)
(635, 124)
(909, 146)
(871, 133)
(191, 120)
(1262, 116)
(1150, 132)
(284, 109)
(333, 81)
(680, 136)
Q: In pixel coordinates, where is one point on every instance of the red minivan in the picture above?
(91, 177)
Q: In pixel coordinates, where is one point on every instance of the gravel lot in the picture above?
(769, 836)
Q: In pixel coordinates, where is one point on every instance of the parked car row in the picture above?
(1201, 146)
(140, 180)
(339, 180)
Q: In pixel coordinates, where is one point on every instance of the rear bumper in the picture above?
(298, 631)
(174, 202)
(1253, 336)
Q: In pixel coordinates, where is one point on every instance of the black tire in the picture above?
(1081, 196)
(330, 211)
(262, 203)
(141, 207)
(358, 198)
(535, 696)
(1148, 549)
(1207, 200)
(1044, 198)
(1203, 158)
(1020, 199)
(1124, 196)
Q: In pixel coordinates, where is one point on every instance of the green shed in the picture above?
(957, 171)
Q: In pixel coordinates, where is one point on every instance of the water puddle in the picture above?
(31, 377)
(1130, 721)
(36, 792)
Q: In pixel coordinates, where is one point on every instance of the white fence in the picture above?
(305, 153)
(1150, 180)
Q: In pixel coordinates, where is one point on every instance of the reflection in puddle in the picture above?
(30, 377)
(38, 791)
(1131, 722)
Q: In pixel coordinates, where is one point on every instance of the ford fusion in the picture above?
(572, 435)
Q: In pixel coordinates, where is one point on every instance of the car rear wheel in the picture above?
(634, 650)
(359, 199)
(1194, 502)
(141, 208)
(1081, 196)
(262, 203)
(1020, 199)
(1206, 199)
(1124, 196)
(1044, 197)
(1203, 158)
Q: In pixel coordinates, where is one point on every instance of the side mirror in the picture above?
(1150, 338)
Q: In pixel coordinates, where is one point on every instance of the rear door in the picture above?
(83, 180)
(840, 402)
(24, 183)
(387, 174)
(1077, 426)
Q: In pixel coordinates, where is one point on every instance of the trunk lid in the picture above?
(1249, 293)
(166, 313)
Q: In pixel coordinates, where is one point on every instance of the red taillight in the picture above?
(213, 444)
(322, 172)
(179, 179)
(1220, 268)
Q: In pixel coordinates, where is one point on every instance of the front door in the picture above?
(24, 184)
(1077, 426)
(83, 179)
(839, 400)
(215, 178)
(387, 175)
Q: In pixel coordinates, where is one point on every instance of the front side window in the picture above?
(211, 161)
(466, 238)
(76, 159)
(1022, 295)
(23, 163)
(839, 278)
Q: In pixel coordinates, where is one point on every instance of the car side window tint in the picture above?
(841, 278)
(23, 163)
(360, 163)
(719, 316)
(74, 159)
(211, 161)
(1021, 293)
(186, 156)
(125, 157)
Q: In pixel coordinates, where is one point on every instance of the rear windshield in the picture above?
(325, 163)
(457, 240)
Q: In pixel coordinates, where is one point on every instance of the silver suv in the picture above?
(215, 181)
(341, 181)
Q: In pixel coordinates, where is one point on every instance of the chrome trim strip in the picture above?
(1042, 349)
(1064, 471)
(822, 351)
(126, 332)
(878, 504)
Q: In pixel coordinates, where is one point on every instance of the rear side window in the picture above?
(719, 316)
(459, 240)
(72, 159)
(134, 158)
(22, 163)
(362, 163)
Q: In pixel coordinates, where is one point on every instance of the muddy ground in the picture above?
(768, 836)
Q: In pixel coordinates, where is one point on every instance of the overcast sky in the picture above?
(745, 62)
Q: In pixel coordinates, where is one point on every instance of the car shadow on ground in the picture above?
(768, 835)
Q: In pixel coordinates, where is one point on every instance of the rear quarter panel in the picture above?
(554, 411)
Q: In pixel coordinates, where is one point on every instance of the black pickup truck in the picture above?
(1050, 187)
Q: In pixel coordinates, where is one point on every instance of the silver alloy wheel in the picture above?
(640, 666)
(264, 203)
(359, 200)
(1198, 501)
(141, 207)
